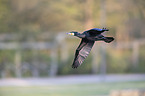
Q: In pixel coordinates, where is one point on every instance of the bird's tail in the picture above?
(108, 39)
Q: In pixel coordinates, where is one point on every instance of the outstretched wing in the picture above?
(82, 52)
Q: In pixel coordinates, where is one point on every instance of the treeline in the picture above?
(126, 19)
(42, 21)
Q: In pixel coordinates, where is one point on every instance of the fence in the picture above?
(56, 44)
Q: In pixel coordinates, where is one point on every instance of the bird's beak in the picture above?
(71, 34)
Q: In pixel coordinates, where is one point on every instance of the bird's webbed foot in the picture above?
(105, 29)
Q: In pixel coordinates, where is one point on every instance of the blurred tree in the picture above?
(4, 15)
(29, 19)
(88, 14)
(62, 15)
(126, 18)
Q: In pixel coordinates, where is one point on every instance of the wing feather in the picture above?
(82, 52)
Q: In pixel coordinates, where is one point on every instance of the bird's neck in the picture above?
(80, 35)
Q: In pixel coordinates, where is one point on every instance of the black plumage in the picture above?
(88, 39)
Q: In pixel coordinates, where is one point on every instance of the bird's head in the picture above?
(73, 33)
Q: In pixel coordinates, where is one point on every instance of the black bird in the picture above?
(87, 42)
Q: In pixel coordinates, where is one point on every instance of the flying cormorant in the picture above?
(87, 42)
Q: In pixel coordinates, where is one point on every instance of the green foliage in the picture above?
(63, 15)
(29, 19)
(118, 62)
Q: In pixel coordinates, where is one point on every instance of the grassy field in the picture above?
(96, 89)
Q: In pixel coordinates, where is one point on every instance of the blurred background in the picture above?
(36, 53)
